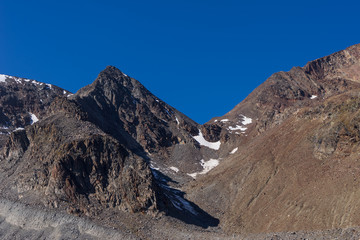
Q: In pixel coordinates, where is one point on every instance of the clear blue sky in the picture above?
(200, 56)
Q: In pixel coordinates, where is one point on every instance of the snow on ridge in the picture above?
(234, 150)
(175, 169)
(18, 129)
(177, 120)
(34, 119)
(207, 166)
(313, 97)
(224, 120)
(3, 77)
(202, 141)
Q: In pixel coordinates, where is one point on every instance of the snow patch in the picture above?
(215, 120)
(49, 85)
(202, 141)
(234, 150)
(246, 120)
(224, 120)
(175, 169)
(177, 120)
(34, 119)
(207, 166)
(18, 129)
(64, 92)
(313, 97)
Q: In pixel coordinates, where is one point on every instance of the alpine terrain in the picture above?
(114, 161)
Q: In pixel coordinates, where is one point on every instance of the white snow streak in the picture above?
(237, 128)
(224, 120)
(234, 150)
(313, 97)
(175, 169)
(177, 120)
(202, 141)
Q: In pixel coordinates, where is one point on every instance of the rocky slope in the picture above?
(295, 167)
(23, 102)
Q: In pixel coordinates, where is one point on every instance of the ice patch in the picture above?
(313, 97)
(234, 150)
(207, 166)
(224, 120)
(175, 169)
(202, 141)
(34, 119)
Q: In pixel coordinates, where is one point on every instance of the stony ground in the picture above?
(21, 221)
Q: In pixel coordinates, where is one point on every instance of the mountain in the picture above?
(295, 165)
(124, 164)
(112, 146)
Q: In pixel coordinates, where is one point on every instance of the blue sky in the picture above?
(202, 56)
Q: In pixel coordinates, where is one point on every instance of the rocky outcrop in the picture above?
(73, 164)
